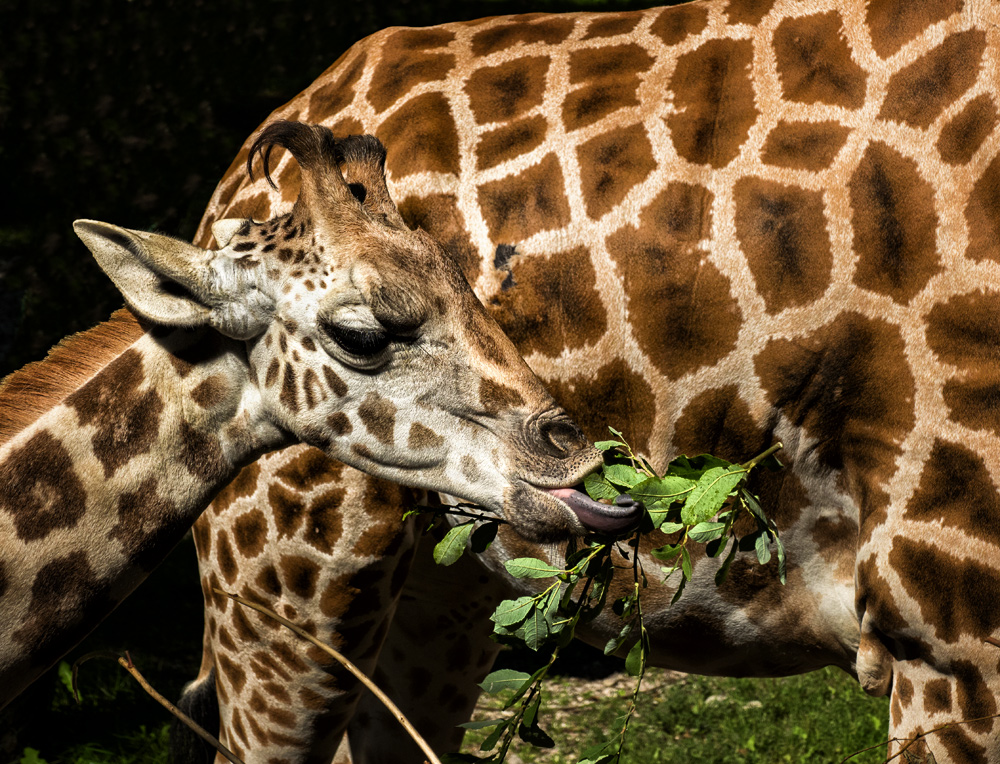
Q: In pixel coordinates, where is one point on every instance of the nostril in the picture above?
(561, 434)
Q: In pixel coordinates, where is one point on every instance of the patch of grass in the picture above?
(822, 716)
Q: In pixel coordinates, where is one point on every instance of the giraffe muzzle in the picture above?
(602, 518)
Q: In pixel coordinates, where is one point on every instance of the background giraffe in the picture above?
(714, 226)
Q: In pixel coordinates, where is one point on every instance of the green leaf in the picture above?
(623, 475)
(598, 488)
(635, 660)
(781, 558)
(536, 736)
(702, 533)
(763, 547)
(483, 536)
(602, 753)
(616, 642)
(31, 756)
(531, 712)
(668, 552)
(534, 630)
(694, 467)
(494, 737)
(669, 528)
(530, 567)
(607, 445)
(723, 571)
(449, 549)
(686, 563)
(503, 679)
(662, 492)
(707, 498)
(66, 676)
(615, 432)
(512, 612)
(680, 590)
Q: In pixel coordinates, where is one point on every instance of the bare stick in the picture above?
(921, 736)
(125, 661)
(358, 673)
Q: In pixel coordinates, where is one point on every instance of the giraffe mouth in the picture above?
(595, 516)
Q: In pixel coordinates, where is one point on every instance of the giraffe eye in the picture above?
(358, 342)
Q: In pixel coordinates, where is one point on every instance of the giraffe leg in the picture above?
(437, 651)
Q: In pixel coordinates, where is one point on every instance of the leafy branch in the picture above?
(698, 500)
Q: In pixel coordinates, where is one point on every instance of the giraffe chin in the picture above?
(598, 517)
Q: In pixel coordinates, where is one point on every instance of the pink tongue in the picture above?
(596, 516)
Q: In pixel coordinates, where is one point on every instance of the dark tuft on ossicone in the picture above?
(311, 145)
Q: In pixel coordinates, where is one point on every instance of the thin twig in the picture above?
(921, 736)
(358, 673)
(125, 661)
(762, 456)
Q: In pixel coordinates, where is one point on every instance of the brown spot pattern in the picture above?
(202, 454)
(289, 395)
(324, 525)
(611, 164)
(127, 421)
(338, 423)
(674, 24)
(681, 309)
(970, 504)
(40, 489)
(438, 214)
(210, 392)
(718, 422)
(804, 145)
(949, 590)
(782, 231)
(242, 486)
(893, 23)
(937, 696)
(501, 93)
(510, 141)
(815, 64)
(408, 58)
(747, 11)
(894, 224)
(337, 386)
(250, 533)
(495, 397)
(420, 136)
(308, 470)
(848, 384)
(553, 305)
(224, 556)
(610, 25)
(611, 81)
(518, 207)
(525, 29)
(299, 575)
(713, 99)
(974, 697)
(919, 93)
(422, 437)
(614, 394)
(967, 130)
(378, 415)
(148, 524)
(338, 92)
(983, 215)
(287, 509)
(964, 332)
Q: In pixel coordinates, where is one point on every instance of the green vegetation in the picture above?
(823, 716)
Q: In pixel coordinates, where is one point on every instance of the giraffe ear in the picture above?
(170, 282)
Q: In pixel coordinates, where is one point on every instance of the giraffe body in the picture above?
(304, 328)
(712, 226)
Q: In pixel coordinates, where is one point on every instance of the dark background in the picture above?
(129, 111)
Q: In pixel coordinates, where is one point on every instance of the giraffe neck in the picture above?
(98, 489)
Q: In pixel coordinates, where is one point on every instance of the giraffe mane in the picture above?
(28, 393)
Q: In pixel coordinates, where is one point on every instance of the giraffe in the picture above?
(713, 226)
(332, 325)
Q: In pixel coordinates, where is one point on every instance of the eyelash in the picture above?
(359, 342)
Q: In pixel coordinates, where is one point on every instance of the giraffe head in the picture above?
(362, 337)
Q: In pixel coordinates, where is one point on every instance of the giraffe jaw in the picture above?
(596, 516)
